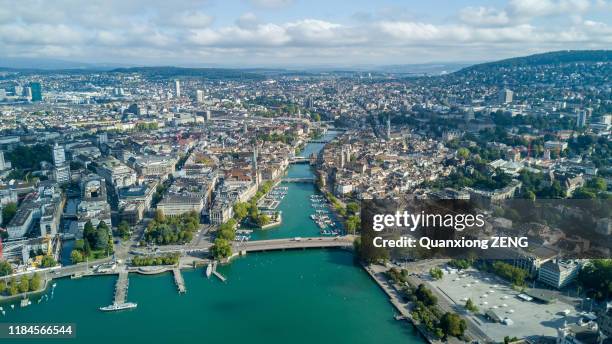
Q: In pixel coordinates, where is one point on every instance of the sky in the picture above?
(270, 33)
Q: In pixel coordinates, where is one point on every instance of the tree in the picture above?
(452, 324)
(317, 117)
(89, 233)
(352, 208)
(101, 238)
(436, 273)
(425, 295)
(8, 212)
(221, 248)
(263, 220)
(35, 282)
(353, 223)
(48, 261)
(598, 184)
(124, 230)
(241, 210)
(24, 284)
(76, 256)
(470, 306)
(3, 286)
(159, 215)
(5, 268)
(463, 153)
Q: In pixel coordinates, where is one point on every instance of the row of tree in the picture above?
(169, 259)
(23, 285)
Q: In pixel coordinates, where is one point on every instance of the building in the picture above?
(4, 165)
(581, 333)
(115, 172)
(505, 96)
(559, 273)
(62, 174)
(153, 166)
(93, 206)
(581, 118)
(221, 212)
(177, 88)
(199, 96)
(174, 204)
(36, 91)
(59, 155)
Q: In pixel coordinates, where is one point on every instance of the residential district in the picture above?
(161, 166)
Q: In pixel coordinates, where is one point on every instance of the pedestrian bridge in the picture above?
(295, 243)
(298, 180)
(299, 160)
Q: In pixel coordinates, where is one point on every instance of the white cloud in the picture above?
(187, 31)
(271, 3)
(537, 8)
(484, 16)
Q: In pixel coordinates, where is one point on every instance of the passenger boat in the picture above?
(119, 307)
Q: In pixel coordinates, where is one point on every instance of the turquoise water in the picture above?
(312, 296)
(302, 296)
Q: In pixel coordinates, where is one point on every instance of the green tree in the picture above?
(3, 286)
(35, 282)
(8, 212)
(24, 284)
(263, 220)
(13, 287)
(352, 208)
(5, 268)
(353, 223)
(124, 230)
(471, 306)
(76, 256)
(463, 153)
(436, 273)
(241, 210)
(452, 324)
(221, 248)
(159, 215)
(48, 261)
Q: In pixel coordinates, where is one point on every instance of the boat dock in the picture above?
(216, 273)
(178, 279)
(121, 288)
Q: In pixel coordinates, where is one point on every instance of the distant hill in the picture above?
(42, 64)
(550, 58)
(176, 72)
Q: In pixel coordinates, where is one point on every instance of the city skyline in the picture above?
(269, 33)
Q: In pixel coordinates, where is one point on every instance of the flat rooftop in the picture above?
(488, 291)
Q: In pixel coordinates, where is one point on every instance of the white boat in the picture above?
(209, 270)
(119, 307)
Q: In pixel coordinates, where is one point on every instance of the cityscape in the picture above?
(227, 198)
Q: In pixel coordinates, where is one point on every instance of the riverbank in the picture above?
(403, 308)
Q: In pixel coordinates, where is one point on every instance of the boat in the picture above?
(209, 270)
(25, 302)
(118, 307)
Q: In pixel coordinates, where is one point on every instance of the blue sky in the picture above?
(298, 32)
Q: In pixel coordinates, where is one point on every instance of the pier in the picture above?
(178, 279)
(121, 288)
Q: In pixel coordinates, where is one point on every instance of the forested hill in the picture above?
(550, 58)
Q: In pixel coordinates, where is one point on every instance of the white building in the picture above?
(559, 273)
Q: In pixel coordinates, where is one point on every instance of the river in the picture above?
(300, 296)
